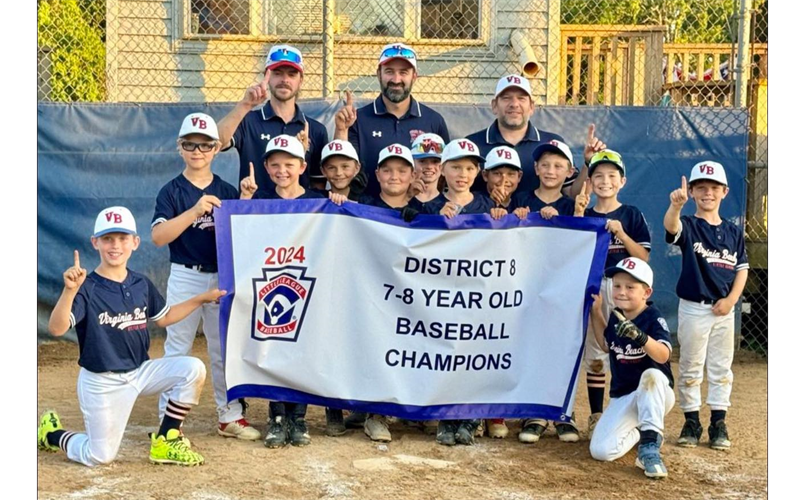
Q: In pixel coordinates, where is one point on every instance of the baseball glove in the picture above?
(627, 329)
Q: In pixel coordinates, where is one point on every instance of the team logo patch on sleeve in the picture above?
(280, 301)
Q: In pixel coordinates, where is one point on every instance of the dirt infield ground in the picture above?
(492, 469)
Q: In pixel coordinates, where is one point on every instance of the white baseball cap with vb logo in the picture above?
(461, 148)
(286, 143)
(638, 268)
(395, 150)
(114, 220)
(338, 147)
(710, 171)
(199, 123)
(502, 156)
(509, 81)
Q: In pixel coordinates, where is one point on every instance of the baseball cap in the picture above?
(114, 220)
(284, 55)
(606, 156)
(708, 170)
(461, 148)
(338, 147)
(286, 143)
(509, 81)
(502, 156)
(199, 123)
(397, 51)
(638, 268)
(395, 150)
(554, 146)
(427, 146)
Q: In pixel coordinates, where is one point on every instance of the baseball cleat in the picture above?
(567, 431)
(355, 420)
(592, 422)
(719, 438)
(533, 429)
(238, 429)
(377, 428)
(48, 423)
(465, 433)
(335, 422)
(446, 433)
(277, 434)
(173, 449)
(299, 435)
(496, 428)
(691, 432)
(649, 459)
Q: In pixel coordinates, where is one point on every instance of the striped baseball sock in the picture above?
(175, 414)
(60, 438)
(596, 383)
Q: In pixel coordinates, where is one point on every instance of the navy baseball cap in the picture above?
(554, 146)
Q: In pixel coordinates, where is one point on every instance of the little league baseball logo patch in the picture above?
(281, 297)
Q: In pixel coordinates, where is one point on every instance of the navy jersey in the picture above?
(711, 256)
(634, 224)
(489, 138)
(377, 201)
(508, 208)
(272, 195)
(196, 244)
(254, 132)
(351, 196)
(564, 205)
(480, 204)
(628, 362)
(110, 320)
(376, 128)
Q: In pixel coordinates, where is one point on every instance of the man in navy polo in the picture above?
(513, 107)
(250, 130)
(394, 117)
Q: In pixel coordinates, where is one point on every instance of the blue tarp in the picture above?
(91, 156)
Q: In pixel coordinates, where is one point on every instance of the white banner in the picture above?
(350, 307)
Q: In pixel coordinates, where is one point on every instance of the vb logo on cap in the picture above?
(637, 268)
(708, 170)
(461, 148)
(114, 220)
(286, 144)
(502, 156)
(338, 147)
(199, 123)
(395, 150)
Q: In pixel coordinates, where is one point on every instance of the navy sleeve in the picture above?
(639, 229)
(240, 134)
(79, 309)
(319, 139)
(165, 209)
(442, 131)
(353, 135)
(679, 238)
(659, 331)
(361, 179)
(157, 308)
(743, 262)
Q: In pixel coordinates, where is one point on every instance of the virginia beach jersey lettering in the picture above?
(110, 320)
(564, 205)
(634, 224)
(480, 204)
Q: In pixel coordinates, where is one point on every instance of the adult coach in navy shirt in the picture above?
(513, 107)
(249, 130)
(394, 117)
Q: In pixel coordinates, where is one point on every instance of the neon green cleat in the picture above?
(173, 449)
(48, 423)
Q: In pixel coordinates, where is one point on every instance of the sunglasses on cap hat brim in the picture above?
(403, 52)
(610, 157)
(428, 149)
(285, 55)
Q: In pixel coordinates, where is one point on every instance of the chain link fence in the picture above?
(576, 52)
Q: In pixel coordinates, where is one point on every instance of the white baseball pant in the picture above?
(106, 400)
(643, 409)
(705, 338)
(184, 284)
